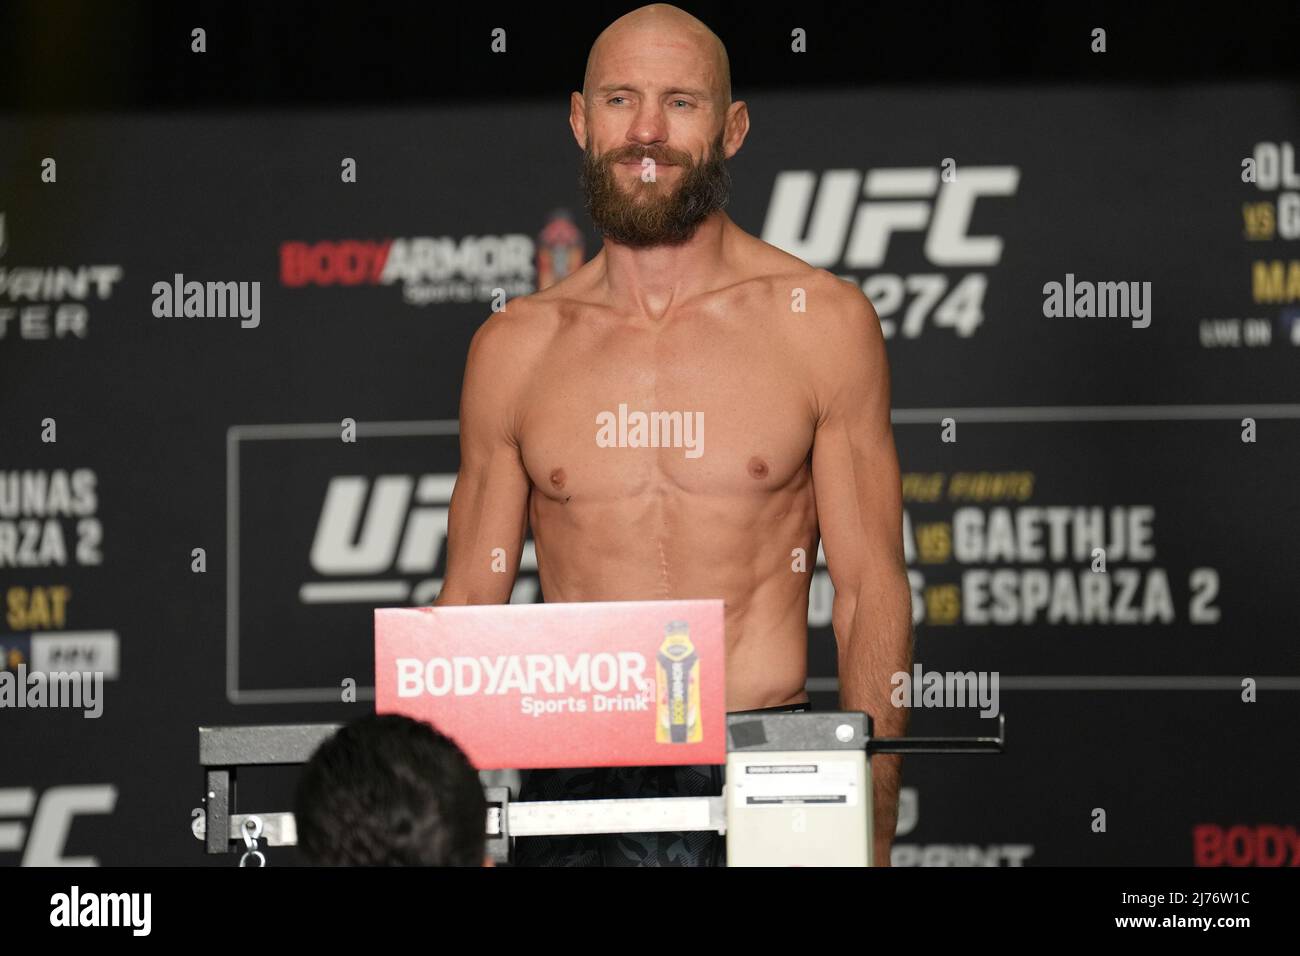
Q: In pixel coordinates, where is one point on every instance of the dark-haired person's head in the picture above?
(387, 790)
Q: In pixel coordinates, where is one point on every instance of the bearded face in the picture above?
(628, 205)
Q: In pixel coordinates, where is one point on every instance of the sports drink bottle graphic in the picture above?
(677, 669)
(559, 250)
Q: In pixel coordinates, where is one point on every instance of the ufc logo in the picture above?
(51, 822)
(402, 528)
(841, 231)
(395, 524)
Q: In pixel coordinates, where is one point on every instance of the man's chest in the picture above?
(706, 410)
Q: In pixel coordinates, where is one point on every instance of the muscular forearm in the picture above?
(875, 641)
(886, 775)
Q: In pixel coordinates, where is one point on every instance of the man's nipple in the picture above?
(557, 483)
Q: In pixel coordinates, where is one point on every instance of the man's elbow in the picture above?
(885, 595)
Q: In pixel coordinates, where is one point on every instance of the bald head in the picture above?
(657, 91)
(663, 29)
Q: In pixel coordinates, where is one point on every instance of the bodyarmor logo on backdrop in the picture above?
(847, 229)
(44, 302)
(51, 821)
(440, 269)
(1245, 845)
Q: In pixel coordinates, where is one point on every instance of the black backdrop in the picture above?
(184, 432)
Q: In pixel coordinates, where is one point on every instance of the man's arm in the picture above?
(489, 504)
(860, 511)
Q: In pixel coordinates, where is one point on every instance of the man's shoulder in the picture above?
(828, 324)
(521, 328)
(532, 320)
(803, 286)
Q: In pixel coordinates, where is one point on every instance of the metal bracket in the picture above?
(278, 829)
(942, 745)
(223, 750)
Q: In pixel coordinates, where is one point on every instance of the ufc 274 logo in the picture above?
(849, 225)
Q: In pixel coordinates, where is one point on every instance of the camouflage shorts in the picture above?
(695, 848)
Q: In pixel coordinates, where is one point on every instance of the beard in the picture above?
(651, 213)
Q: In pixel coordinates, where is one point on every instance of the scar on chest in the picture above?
(557, 479)
(757, 467)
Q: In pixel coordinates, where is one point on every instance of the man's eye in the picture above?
(613, 98)
(683, 102)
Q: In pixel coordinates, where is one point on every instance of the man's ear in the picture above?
(488, 861)
(737, 128)
(578, 118)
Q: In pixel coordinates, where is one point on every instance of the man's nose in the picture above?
(648, 126)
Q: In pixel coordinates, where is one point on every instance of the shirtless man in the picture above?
(681, 311)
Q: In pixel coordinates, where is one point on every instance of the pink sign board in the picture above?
(609, 684)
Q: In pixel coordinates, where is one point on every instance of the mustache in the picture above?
(636, 154)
